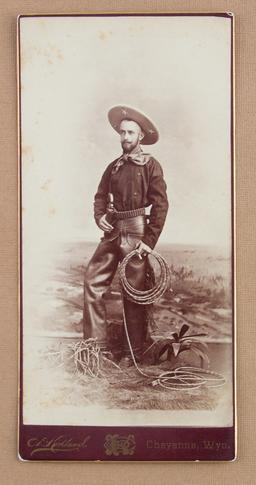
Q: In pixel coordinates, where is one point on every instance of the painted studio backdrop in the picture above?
(177, 70)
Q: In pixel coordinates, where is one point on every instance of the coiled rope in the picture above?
(182, 378)
(145, 297)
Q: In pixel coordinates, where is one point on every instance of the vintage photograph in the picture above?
(126, 186)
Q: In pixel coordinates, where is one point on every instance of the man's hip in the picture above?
(131, 228)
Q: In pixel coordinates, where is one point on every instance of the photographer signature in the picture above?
(61, 443)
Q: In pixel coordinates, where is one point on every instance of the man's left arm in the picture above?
(157, 196)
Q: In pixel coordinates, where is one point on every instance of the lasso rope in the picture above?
(182, 378)
(145, 297)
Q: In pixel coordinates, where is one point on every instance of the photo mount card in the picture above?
(127, 241)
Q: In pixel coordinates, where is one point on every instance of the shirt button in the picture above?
(135, 193)
(139, 173)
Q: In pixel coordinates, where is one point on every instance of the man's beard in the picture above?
(128, 147)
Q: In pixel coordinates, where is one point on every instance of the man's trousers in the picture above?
(99, 275)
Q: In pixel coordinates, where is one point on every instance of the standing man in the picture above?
(129, 184)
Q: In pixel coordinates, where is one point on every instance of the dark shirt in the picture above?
(135, 186)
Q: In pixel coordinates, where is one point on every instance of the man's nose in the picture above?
(126, 136)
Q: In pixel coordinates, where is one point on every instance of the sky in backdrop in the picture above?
(174, 69)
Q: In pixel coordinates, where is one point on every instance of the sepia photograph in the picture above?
(127, 313)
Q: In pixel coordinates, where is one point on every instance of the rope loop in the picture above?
(145, 297)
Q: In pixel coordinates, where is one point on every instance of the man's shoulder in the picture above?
(154, 164)
(114, 161)
(111, 164)
(153, 160)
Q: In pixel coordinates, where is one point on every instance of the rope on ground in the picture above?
(87, 356)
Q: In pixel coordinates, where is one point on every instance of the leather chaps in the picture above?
(99, 274)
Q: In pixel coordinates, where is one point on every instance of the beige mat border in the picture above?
(243, 470)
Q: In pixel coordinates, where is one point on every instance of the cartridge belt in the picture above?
(127, 214)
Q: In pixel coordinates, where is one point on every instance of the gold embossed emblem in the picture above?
(116, 444)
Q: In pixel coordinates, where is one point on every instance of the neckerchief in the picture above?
(139, 158)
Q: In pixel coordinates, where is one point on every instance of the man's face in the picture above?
(130, 135)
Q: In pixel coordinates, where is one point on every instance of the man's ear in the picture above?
(142, 134)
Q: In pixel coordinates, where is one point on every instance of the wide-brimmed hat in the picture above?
(120, 113)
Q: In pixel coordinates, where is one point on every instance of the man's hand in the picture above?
(142, 249)
(104, 224)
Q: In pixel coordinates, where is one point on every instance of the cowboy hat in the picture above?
(120, 113)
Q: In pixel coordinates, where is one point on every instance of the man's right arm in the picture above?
(101, 196)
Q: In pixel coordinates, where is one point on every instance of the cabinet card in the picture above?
(127, 265)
